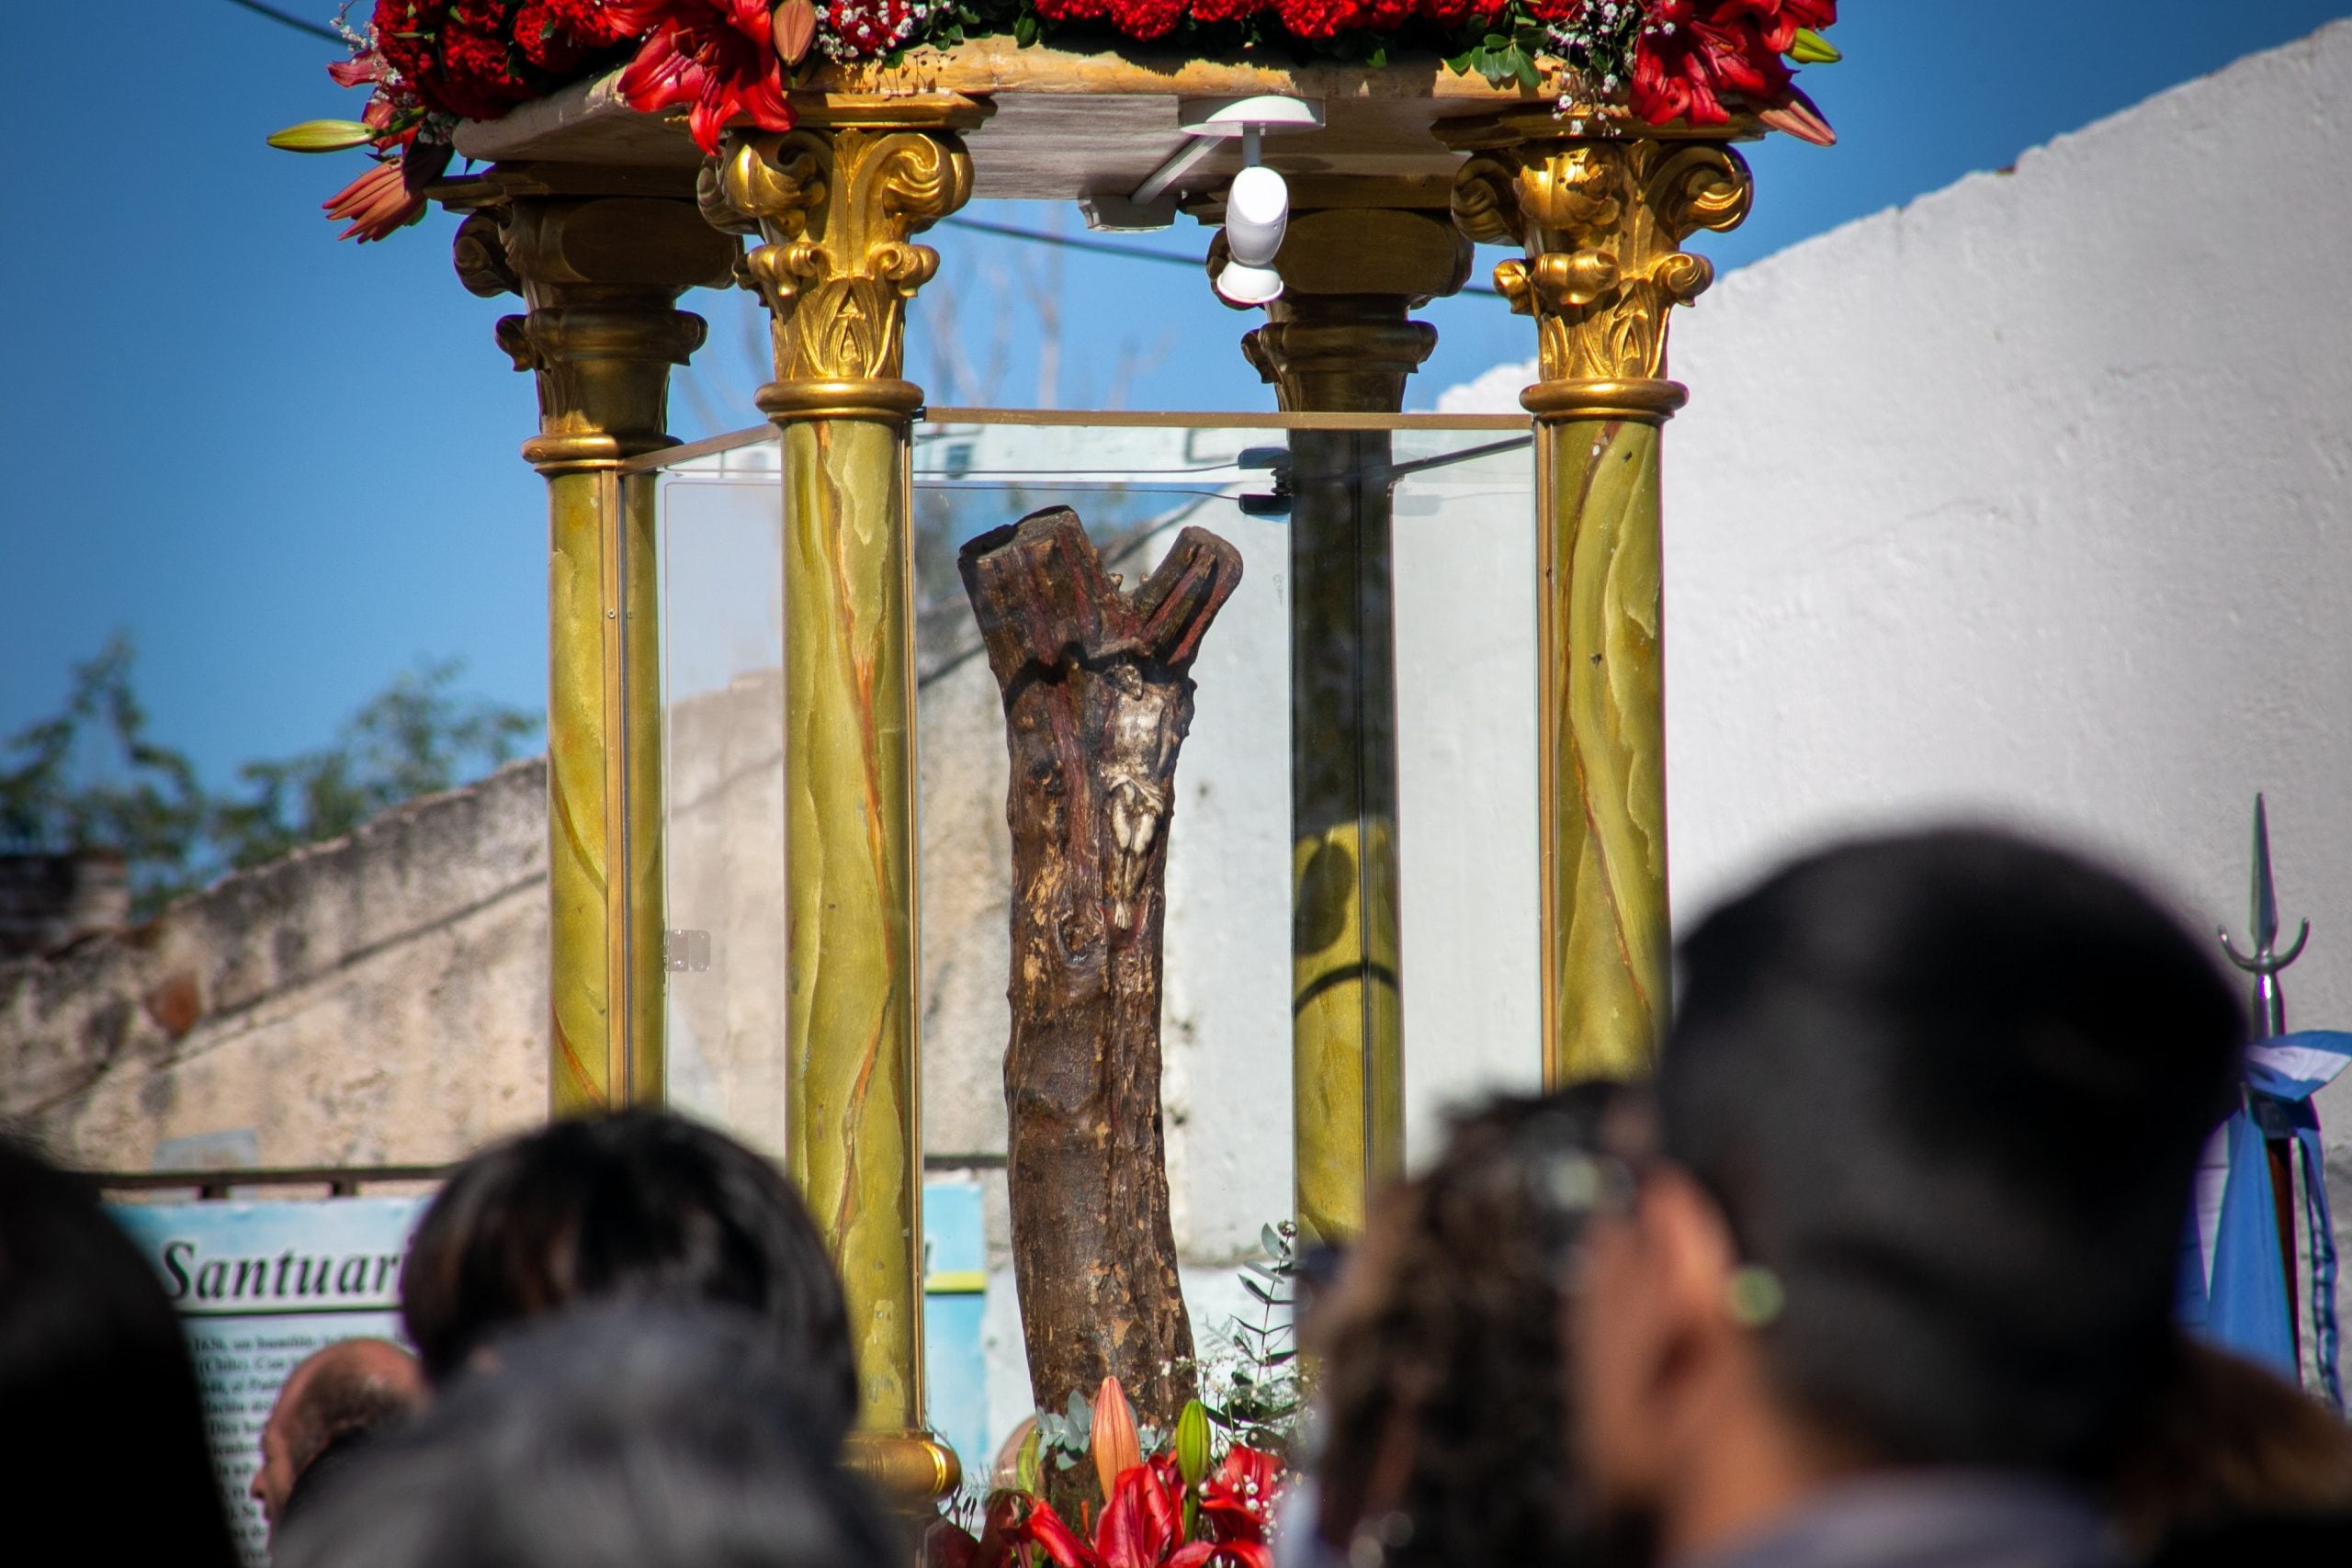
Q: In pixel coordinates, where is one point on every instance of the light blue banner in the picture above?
(259, 1286)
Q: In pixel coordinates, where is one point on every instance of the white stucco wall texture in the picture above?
(2031, 502)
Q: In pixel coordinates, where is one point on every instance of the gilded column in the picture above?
(1602, 222)
(1341, 341)
(600, 279)
(836, 207)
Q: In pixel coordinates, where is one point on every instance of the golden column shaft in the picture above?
(1339, 341)
(1602, 222)
(601, 278)
(836, 208)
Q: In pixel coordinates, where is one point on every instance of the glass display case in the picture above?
(1267, 915)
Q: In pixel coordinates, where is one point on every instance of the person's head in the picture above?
(353, 1386)
(641, 1206)
(1443, 1439)
(101, 1425)
(2225, 1442)
(1926, 1125)
(613, 1436)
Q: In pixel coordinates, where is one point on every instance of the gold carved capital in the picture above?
(837, 208)
(1602, 224)
(601, 277)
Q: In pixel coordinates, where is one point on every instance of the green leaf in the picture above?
(1025, 29)
(323, 136)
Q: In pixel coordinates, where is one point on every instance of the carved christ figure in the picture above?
(1097, 699)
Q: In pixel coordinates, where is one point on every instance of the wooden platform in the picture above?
(1061, 125)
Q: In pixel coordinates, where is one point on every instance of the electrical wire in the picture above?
(287, 19)
(1108, 247)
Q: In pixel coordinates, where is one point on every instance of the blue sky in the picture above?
(287, 466)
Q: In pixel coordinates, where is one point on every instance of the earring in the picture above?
(1756, 1296)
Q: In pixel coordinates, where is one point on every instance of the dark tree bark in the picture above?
(1096, 703)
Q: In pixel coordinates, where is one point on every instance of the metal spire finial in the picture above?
(2265, 963)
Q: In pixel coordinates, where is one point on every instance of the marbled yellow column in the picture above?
(1341, 341)
(837, 207)
(1602, 221)
(601, 278)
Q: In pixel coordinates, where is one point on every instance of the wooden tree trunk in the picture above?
(1096, 703)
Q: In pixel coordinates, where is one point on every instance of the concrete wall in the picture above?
(378, 999)
(2032, 500)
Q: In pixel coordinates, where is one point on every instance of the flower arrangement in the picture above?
(432, 63)
(1182, 1506)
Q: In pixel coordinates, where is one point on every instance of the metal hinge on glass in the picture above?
(685, 953)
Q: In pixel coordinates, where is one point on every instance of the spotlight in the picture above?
(1243, 285)
(1257, 211)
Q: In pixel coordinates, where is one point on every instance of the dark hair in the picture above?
(1950, 1088)
(97, 1393)
(1442, 1381)
(640, 1206)
(613, 1436)
(323, 1472)
(2225, 1441)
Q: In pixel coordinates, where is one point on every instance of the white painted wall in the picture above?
(2032, 500)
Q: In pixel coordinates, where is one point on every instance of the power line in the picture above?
(1111, 248)
(287, 19)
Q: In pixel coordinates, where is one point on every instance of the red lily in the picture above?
(1143, 1526)
(718, 55)
(376, 203)
(1777, 20)
(1685, 61)
(1238, 1500)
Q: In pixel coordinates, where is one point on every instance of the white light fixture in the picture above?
(1207, 123)
(1257, 212)
(1256, 215)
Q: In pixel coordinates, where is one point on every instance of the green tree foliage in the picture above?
(89, 778)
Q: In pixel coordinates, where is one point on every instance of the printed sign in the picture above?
(260, 1286)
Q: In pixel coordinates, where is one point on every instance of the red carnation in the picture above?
(1146, 18)
(1210, 12)
(561, 36)
(1451, 14)
(481, 75)
(407, 34)
(718, 55)
(1319, 19)
(1070, 10)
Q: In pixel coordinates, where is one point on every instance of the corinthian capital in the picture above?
(601, 277)
(837, 209)
(1602, 222)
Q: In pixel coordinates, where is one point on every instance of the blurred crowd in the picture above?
(1876, 1272)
